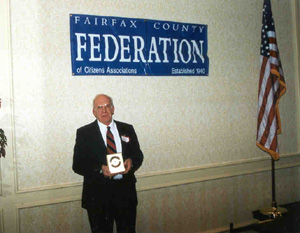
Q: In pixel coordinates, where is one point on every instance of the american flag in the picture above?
(271, 87)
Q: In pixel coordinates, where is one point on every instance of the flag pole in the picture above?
(274, 203)
(273, 212)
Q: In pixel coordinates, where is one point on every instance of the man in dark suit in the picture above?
(107, 197)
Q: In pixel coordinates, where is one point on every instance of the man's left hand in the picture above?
(127, 165)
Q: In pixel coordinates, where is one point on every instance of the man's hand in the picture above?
(127, 165)
(106, 172)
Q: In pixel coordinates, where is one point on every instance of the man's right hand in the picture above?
(106, 172)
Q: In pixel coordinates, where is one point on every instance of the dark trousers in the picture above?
(103, 222)
(118, 207)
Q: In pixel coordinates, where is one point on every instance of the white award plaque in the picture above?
(115, 163)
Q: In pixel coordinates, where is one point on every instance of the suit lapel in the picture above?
(122, 132)
(97, 135)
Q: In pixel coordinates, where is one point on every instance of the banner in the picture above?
(103, 45)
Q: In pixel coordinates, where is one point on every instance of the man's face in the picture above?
(103, 110)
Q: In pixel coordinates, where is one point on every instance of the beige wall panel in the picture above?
(181, 122)
(213, 205)
(198, 207)
(65, 217)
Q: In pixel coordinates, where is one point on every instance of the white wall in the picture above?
(197, 133)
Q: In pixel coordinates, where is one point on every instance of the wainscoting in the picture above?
(205, 199)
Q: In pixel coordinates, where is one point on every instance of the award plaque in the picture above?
(115, 163)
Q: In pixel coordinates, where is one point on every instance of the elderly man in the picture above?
(107, 196)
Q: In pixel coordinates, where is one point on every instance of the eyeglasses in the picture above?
(104, 106)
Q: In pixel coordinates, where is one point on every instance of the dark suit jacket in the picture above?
(89, 156)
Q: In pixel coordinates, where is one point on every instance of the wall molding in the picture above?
(48, 202)
(49, 187)
(184, 176)
(1, 221)
(5, 71)
(213, 172)
(0, 179)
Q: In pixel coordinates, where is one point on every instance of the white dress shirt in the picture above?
(114, 131)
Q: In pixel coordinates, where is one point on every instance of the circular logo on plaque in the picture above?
(115, 161)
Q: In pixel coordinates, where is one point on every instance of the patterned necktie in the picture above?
(111, 146)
